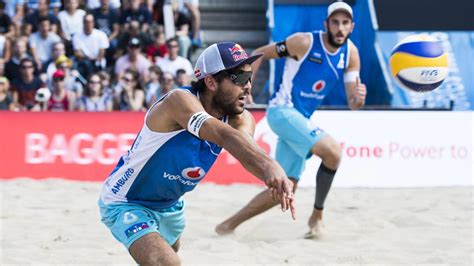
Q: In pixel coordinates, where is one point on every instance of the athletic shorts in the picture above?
(296, 137)
(128, 222)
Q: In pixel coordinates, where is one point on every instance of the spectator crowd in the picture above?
(93, 55)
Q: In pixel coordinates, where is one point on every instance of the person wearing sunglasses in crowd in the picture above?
(316, 63)
(130, 94)
(183, 133)
(95, 98)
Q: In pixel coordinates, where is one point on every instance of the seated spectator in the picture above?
(133, 59)
(166, 85)
(107, 20)
(133, 32)
(173, 61)
(25, 86)
(152, 88)
(73, 79)
(36, 12)
(95, 99)
(89, 47)
(58, 50)
(6, 26)
(136, 11)
(41, 44)
(71, 20)
(106, 82)
(5, 47)
(157, 48)
(6, 101)
(15, 10)
(12, 67)
(182, 79)
(182, 26)
(61, 99)
(130, 96)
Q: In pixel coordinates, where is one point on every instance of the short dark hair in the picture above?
(172, 39)
(200, 85)
(27, 59)
(43, 18)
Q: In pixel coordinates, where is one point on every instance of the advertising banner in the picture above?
(380, 149)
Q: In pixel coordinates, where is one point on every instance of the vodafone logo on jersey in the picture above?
(319, 85)
(193, 172)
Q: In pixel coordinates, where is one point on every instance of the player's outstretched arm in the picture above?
(181, 106)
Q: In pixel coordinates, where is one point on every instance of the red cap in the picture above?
(59, 74)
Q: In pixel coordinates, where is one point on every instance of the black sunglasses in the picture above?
(239, 78)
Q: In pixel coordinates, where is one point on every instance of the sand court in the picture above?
(57, 222)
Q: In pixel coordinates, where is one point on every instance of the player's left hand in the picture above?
(360, 92)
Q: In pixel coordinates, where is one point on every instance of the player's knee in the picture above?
(333, 155)
(176, 245)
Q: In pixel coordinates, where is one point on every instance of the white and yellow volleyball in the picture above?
(419, 63)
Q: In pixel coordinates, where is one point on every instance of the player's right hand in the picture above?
(282, 191)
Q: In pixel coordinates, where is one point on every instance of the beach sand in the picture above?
(56, 221)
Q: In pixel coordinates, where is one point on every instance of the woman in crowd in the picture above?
(94, 98)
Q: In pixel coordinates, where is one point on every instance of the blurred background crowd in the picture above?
(93, 55)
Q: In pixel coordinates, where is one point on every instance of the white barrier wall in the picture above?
(394, 148)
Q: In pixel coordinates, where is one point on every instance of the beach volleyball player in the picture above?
(183, 133)
(316, 63)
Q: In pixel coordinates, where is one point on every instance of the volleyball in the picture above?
(419, 63)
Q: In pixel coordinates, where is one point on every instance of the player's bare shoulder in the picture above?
(244, 122)
(298, 44)
(176, 106)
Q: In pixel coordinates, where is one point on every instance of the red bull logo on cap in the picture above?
(238, 53)
(197, 73)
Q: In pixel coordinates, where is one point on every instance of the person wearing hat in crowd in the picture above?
(183, 133)
(133, 59)
(316, 63)
(73, 80)
(61, 98)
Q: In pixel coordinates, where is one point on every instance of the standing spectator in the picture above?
(107, 20)
(191, 9)
(71, 20)
(24, 88)
(182, 25)
(61, 99)
(6, 101)
(41, 43)
(182, 79)
(152, 88)
(6, 26)
(173, 61)
(89, 47)
(136, 11)
(12, 67)
(95, 99)
(130, 96)
(157, 48)
(32, 21)
(133, 59)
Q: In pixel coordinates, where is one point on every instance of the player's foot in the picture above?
(223, 229)
(315, 224)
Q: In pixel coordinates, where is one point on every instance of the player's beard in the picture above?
(225, 103)
(332, 41)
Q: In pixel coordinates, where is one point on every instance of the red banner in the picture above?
(84, 146)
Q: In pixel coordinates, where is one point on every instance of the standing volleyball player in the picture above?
(182, 135)
(316, 63)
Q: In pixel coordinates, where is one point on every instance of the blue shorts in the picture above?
(296, 137)
(128, 222)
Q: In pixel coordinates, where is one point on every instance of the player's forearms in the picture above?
(254, 159)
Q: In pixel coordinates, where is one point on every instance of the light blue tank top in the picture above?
(160, 167)
(306, 82)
